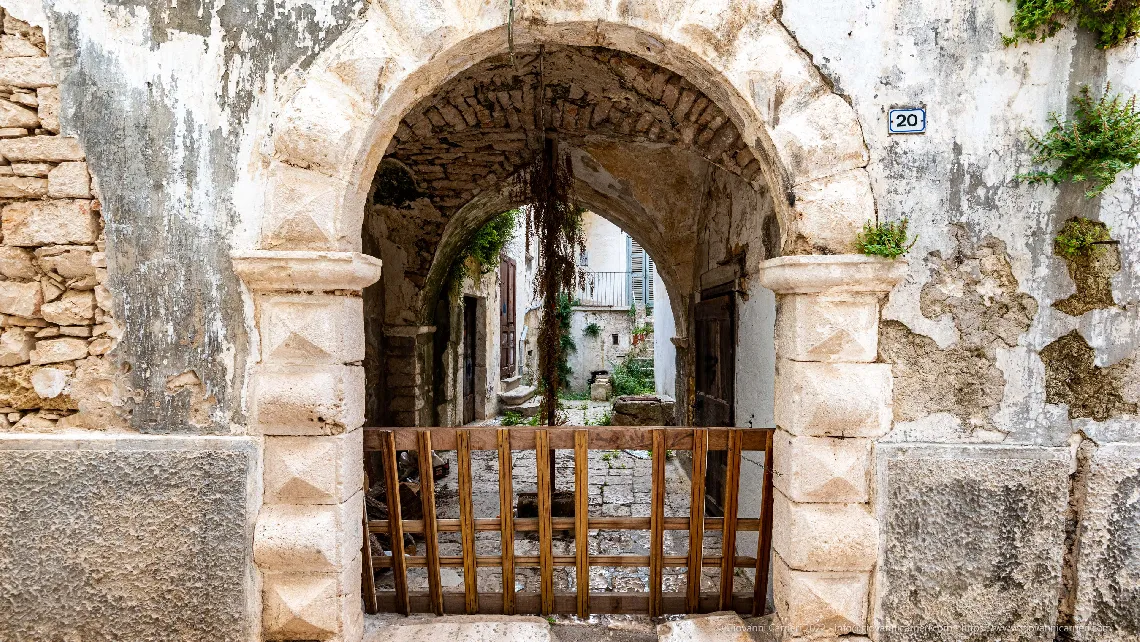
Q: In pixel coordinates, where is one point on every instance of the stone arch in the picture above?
(305, 270)
(334, 129)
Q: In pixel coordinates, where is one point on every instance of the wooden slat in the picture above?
(616, 603)
(467, 521)
(562, 437)
(395, 524)
(533, 561)
(731, 492)
(545, 543)
(506, 520)
(697, 521)
(581, 519)
(431, 540)
(530, 525)
(657, 528)
(764, 547)
(368, 575)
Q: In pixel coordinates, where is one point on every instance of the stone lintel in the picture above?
(834, 273)
(301, 271)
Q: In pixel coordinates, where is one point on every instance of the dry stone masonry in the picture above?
(55, 309)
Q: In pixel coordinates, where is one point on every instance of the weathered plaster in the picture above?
(167, 156)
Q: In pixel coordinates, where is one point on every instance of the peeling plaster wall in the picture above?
(994, 337)
(163, 95)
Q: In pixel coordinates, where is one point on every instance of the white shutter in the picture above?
(637, 271)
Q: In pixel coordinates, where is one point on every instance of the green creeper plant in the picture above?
(485, 246)
(592, 330)
(1101, 140)
(1113, 21)
(1078, 236)
(887, 238)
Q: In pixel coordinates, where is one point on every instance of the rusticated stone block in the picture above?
(307, 606)
(313, 469)
(833, 399)
(973, 536)
(818, 604)
(309, 400)
(125, 538)
(825, 537)
(301, 212)
(835, 328)
(1108, 568)
(319, 538)
(822, 469)
(311, 329)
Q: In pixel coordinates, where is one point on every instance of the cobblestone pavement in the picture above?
(620, 486)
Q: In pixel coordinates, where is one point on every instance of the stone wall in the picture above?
(55, 307)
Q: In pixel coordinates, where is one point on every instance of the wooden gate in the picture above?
(388, 441)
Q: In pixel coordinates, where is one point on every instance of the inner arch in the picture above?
(650, 151)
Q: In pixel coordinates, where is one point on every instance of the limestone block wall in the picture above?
(55, 308)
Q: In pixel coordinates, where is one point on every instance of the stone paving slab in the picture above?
(457, 628)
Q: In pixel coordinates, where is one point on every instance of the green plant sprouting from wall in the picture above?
(1079, 236)
(485, 246)
(592, 330)
(1100, 141)
(1113, 21)
(887, 238)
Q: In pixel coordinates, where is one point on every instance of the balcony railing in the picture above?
(604, 289)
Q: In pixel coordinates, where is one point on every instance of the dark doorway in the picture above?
(508, 361)
(470, 304)
(716, 377)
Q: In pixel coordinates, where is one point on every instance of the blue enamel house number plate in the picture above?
(907, 121)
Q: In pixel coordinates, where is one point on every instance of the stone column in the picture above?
(308, 402)
(407, 362)
(832, 401)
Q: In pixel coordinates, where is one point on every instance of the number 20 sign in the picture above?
(907, 121)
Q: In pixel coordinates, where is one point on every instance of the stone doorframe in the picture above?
(304, 273)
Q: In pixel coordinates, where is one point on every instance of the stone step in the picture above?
(458, 628)
(516, 397)
(511, 383)
(714, 627)
(528, 409)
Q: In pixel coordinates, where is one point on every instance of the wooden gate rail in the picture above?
(388, 441)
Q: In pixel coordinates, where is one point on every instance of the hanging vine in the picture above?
(544, 186)
(557, 224)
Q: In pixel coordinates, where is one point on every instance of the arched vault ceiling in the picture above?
(482, 126)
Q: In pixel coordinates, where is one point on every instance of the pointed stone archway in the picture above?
(305, 273)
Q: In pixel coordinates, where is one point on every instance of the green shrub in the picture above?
(1102, 140)
(1113, 21)
(632, 377)
(592, 330)
(887, 239)
(512, 418)
(1078, 236)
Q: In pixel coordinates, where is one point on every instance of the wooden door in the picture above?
(715, 392)
(469, 307)
(508, 350)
